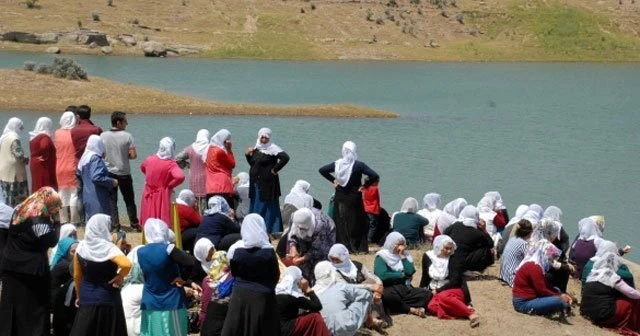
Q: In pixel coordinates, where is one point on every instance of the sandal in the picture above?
(474, 322)
(420, 312)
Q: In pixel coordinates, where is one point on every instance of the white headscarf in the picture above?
(217, 204)
(469, 216)
(97, 245)
(588, 229)
(95, 146)
(289, 283)
(542, 253)
(68, 120)
(604, 247)
(243, 178)
(157, 231)
(552, 212)
(254, 234)
(13, 128)
(326, 276)
(537, 208)
(604, 270)
(219, 138)
(439, 269)
(450, 213)
(532, 216)
(431, 201)
(346, 266)
(485, 208)
(269, 148)
(167, 149)
(299, 195)
(303, 223)
(390, 258)
(344, 166)
(599, 220)
(66, 230)
(186, 197)
(520, 211)
(496, 199)
(201, 145)
(44, 125)
(548, 229)
(201, 252)
(410, 205)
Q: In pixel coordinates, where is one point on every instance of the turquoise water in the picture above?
(561, 134)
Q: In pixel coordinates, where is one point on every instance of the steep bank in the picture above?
(28, 91)
(435, 30)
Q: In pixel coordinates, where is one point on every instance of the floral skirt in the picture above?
(15, 192)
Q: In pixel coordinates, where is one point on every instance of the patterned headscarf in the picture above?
(604, 270)
(430, 201)
(43, 203)
(217, 204)
(541, 253)
(167, 149)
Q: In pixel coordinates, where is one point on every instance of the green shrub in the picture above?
(31, 3)
(44, 69)
(30, 65)
(95, 15)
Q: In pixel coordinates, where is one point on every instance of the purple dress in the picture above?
(583, 250)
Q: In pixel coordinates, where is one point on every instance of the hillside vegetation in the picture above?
(439, 30)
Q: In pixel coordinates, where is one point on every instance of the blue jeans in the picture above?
(539, 306)
(373, 225)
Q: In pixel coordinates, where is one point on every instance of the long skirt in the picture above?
(214, 320)
(478, 260)
(251, 314)
(449, 304)
(626, 320)
(398, 299)
(269, 210)
(24, 305)
(352, 224)
(164, 323)
(15, 192)
(310, 324)
(100, 321)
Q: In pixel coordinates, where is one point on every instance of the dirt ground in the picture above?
(492, 300)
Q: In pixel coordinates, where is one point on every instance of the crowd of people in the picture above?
(223, 254)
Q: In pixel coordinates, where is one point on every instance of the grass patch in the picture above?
(275, 39)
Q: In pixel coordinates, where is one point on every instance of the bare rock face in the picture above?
(106, 50)
(154, 49)
(53, 50)
(128, 40)
(99, 38)
(24, 37)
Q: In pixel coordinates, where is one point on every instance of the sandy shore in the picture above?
(28, 91)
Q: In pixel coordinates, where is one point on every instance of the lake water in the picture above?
(561, 134)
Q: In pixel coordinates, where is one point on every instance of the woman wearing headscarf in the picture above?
(532, 294)
(409, 223)
(608, 301)
(431, 212)
(622, 271)
(475, 250)
(449, 215)
(217, 226)
(560, 271)
(242, 194)
(66, 230)
(131, 294)
(163, 299)
(62, 298)
(6, 212)
(511, 227)
(266, 160)
(295, 295)
(585, 245)
(297, 198)
(162, 174)
(66, 164)
(354, 273)
(348, 211)
(96, 184)
(25, 295)
(99, 268)
(43, 155)
(451, 298)
(216, 287)
(13, 171)
(295, 245)
(194, 157)
(254, 265)
(515, 251)
(219, 164)
(394, 266)
(189, 217)
(493, 212)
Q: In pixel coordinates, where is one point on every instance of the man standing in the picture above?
(83, 130)
(119, 149)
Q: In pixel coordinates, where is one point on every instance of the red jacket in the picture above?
(371, 197)
(189, 217)
(530, 283)
(81, 133)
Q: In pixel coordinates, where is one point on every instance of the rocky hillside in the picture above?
(450, 30)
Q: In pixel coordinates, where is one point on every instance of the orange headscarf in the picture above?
(42, 203)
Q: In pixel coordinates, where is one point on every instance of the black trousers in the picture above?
(125, 184)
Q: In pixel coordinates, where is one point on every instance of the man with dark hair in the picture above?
(119, 149)
(83, 130)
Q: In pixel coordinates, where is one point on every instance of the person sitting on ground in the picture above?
(431, 213)
(217, 226)
(394, 266)
(608, 301)
(241, 188)
(296, 199)
(63, 306)
(451, 298)
(296, 244)
(560, 271)
(510, 229)
(475, 250)
(449, 215)
(294, 295)
(408, 223)
(189, 217)
(622, 271)
(515, 251)
(344, 306)
(531, 292)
